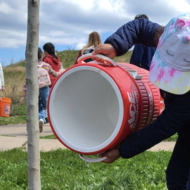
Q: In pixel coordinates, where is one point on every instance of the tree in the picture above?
(32, 95)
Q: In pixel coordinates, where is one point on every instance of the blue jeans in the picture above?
(42, 103)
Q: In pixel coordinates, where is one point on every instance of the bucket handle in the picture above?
(91, 160)
(109, 62)
(134, 74)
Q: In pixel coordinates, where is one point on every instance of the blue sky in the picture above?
(13, 55)
(67, 23)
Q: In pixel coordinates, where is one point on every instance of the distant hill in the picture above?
(15, 73)
(68, 57)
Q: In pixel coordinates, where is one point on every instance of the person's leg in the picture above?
(178, 170)
(40, 105)
(188, 184)
(43, 97)
(41, 120)
(47, 120)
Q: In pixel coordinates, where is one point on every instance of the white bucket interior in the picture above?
(86, 109)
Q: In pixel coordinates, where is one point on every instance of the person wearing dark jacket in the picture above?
(169, 71)
(142, 55)
(52, 60)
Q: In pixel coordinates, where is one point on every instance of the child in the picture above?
(43, 89)
(52, 59)
(93, 41)
(170, 71)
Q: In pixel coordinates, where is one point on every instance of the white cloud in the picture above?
(60, 41)
(68, 22)
(12, 39)
(4, 8)
(80, 45)
(85, 4)
(181, 6)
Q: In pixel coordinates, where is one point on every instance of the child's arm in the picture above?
(23, 94)
(175, 118)
(138, 31)
(51, 71)
(172, 119)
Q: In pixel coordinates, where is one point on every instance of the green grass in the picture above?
(8, 136)
(17, 109)
(63, 169)
(48, 137)
(172, 138)
(21, 63)
(13, 120)
(68, 57)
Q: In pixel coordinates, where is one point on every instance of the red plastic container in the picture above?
(93, 108)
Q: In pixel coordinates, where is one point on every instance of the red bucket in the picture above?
(93, 108)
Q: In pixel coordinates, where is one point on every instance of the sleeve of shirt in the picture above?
(137, 55)
(50, 70)
(2, 76)
(138, 31)
(175, 115)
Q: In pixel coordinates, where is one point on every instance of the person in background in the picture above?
(93, 41)
(169, 71)
(2, 83)
(52, 59)
(44, 81)
(142, 54)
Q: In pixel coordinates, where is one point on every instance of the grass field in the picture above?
(13, 120)
(64, 170)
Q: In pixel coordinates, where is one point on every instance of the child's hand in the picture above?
(61, 71)
(3, 89)
(111, 155)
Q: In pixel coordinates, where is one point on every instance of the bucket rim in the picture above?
(108, 77)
